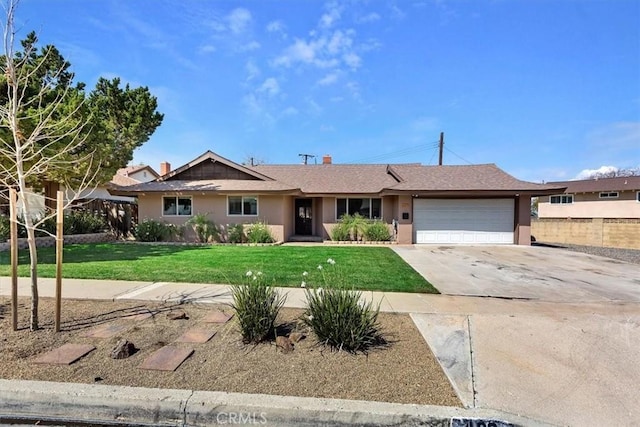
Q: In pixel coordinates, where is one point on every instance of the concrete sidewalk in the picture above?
(552, 362)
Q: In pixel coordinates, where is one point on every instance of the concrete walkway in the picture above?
(558, 362)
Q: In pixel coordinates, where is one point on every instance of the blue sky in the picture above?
(545, 89)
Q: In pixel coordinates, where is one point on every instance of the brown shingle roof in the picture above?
(133, 169)
(123, 181)
(461, 178)
(349, 179)
(333, 178)
(628, 183)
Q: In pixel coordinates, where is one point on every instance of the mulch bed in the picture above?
(405, 371)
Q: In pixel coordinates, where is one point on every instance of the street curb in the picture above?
(91, 404)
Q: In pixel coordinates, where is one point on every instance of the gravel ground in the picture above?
(628, 255)
(404, 371)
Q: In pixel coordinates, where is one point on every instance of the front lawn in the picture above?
(367, 268)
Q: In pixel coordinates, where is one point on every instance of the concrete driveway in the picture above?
(524, 272)
(564, 350)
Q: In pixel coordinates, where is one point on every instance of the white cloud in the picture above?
(354, 89)
(588, 173)
(352, 60)
(238, 20)
(329, 79)
(277, 27)
(252, 45)
(396, 12)
(209, 48)
(328, 19)
(289, 111)
(326, 51)
(270, 86)
(371, 17)
(252, 70)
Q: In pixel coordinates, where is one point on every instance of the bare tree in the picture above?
(40, 131)
(614, 173)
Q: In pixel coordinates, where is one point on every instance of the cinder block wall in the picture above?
(606, 232)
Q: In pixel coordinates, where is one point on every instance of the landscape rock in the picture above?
(123, 349)
(285, 344)
(177, 315)
(295, 337)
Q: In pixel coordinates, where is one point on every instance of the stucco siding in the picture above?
(270, 210)
(590, 205)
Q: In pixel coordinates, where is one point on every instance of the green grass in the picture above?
(366, 268)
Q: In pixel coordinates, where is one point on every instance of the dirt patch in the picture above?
(404, 372)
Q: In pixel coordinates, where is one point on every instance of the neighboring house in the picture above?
(432, 204)
(593, 198)
(595, 212)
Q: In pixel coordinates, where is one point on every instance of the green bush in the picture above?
(204, 228)
(338, 317)
(377, 231)
(150, 230)
(81, 222)
(340, 232)
(258, 232)
(5, 228)
(236, 234)
(257, 306)
(352, 227)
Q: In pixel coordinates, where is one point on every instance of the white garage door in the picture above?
(463, 221)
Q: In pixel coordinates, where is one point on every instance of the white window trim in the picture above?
(609, 195)
(335, 212)
(242, 207)
(176, 198)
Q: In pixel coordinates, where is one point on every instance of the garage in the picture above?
(460, 221)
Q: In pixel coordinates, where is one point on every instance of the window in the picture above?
(176, 206)
(368, 208)
(609, 195)
(638, 196)
(242, 205)
(563, 199)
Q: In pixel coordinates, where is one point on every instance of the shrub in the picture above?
(340, 232)
(5, 228)
(204, 228)
(150, 230)
(236, 234)
(258, 232)
(377, 231)
(353, 225)
(257, 306)
(82, 222)
(338, 317)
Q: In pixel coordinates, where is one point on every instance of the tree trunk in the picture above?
(33, 270)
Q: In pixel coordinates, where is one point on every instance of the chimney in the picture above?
(326, 159)
(165, 168)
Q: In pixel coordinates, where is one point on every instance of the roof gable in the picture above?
(210, 166)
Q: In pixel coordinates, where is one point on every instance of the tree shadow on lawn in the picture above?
(103, 252)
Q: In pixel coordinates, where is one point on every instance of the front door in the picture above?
(304, 217)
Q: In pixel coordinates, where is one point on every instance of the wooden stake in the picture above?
(13, 217)
(59, 248)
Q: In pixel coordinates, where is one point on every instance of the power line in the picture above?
(399, 153)
(461, 158)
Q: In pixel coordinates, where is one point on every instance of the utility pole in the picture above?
(306, 157)
(441, 148)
